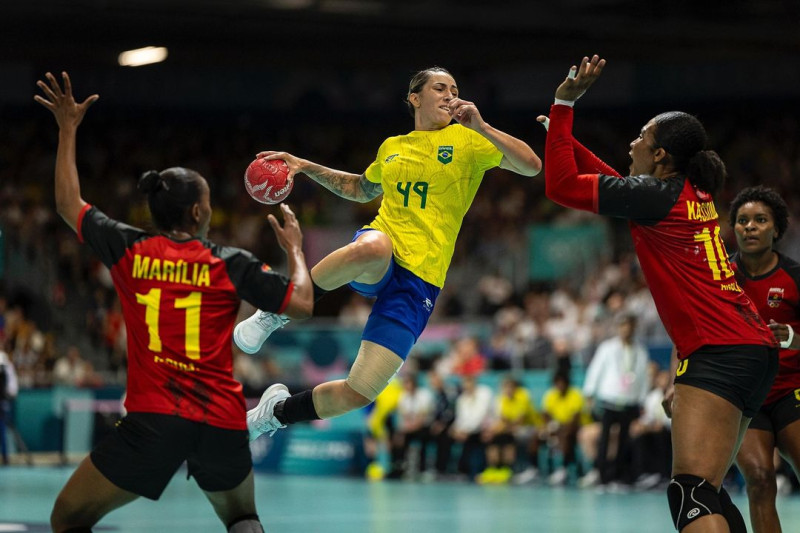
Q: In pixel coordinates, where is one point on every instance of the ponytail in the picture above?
(706, 171)
(684, 138)
(151, 181)
(170, 196)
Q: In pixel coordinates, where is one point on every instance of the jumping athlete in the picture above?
(428, 179)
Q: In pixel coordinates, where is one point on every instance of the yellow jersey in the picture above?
(563, 409)
(518, 408)
(429, 179)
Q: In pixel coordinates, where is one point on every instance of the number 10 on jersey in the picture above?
(715, 253)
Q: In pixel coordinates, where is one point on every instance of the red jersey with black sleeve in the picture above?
(676, 236)
(776, 295)
(180, 300)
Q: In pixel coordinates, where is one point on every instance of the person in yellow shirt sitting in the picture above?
(428, 179)
(516, 419)
(380, 428)
(563, 408)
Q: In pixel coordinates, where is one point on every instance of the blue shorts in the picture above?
(402, 309)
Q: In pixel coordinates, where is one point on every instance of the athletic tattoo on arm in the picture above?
(349, 186)
(371, 190)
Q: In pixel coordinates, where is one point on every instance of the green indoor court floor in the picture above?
(289, 504)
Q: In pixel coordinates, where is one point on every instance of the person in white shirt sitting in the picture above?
(415, 411)
(473, 412)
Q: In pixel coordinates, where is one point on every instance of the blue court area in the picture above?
(293, 504)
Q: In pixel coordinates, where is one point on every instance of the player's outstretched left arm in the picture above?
(68, 114)
(517, 155)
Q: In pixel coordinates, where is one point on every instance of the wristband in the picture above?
(788, 342)
(569, 103)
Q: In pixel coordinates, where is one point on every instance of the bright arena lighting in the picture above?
(142, 56)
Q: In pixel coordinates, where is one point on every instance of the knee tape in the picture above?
(731, 513)
(691, 497)
(373, 369)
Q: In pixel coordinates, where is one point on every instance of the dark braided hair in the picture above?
(767, 196)
(419, 80)
(684, 139)
(171, 194)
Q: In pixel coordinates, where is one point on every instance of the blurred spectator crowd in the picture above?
(60, 320)
(462, 426)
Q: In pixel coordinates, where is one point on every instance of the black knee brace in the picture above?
(246, 524)
(731, 513)
(691, 497)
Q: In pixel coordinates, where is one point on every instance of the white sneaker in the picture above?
(615, 487)
(251, 333)
(648, 481)
(558, 477)
(261, 418)
(784, 484)
(591, 479)
(526, 476)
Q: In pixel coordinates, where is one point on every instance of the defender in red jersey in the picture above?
(759, 217)
(180, 295)
(728, 354)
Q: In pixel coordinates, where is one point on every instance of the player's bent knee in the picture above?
(691, 498)
(761, 481)
(373, 369)
(355, 399)
(61, 516)
(373, 247)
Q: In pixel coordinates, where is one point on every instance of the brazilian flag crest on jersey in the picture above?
(445, 154)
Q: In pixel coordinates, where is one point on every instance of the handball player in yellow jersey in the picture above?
(428, 179)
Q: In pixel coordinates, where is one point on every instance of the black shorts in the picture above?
(741, 373)
(777, 415)
(146, 449)
(505, 438)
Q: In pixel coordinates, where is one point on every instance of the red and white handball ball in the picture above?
(265, 180)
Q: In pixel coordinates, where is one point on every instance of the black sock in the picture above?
(319, 292)
(296, 408)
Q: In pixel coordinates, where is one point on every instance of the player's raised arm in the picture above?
(517, 155)
(68, 114)
(350, 186)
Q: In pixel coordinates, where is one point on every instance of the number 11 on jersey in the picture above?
(191, 303)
